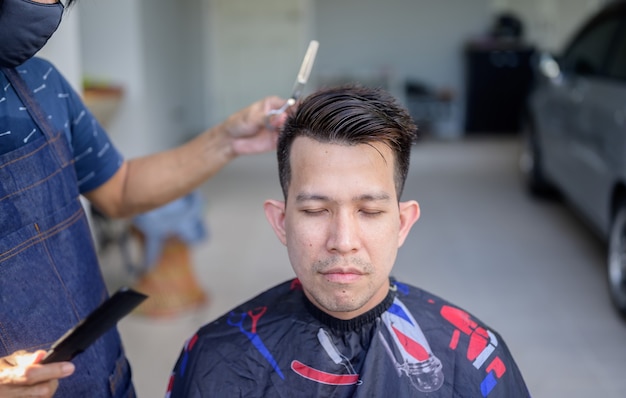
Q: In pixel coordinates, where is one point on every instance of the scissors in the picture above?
(254, 315)
(301, 79)
(236, 319)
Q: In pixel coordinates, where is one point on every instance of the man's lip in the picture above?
(343, 276)
(343, 271)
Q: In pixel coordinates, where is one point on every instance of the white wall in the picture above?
(398, 40)
(187, 64)
(407, 39)
(172, 48)
(256, 48)
(113, 51)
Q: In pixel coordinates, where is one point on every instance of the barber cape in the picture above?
(413, 344)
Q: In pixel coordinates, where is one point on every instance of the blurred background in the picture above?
(158, 72)
(190, 63)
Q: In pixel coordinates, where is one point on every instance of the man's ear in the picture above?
(275, 214)
(409, 214)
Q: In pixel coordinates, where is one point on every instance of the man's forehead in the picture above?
(340, 173)
(303, 145)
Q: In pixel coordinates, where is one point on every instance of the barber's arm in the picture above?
(22, 376)
(151, 181)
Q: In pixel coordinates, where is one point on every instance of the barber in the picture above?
(52, 151)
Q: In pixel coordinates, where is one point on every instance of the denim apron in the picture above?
(49, 273)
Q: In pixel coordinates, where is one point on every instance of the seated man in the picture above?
(344, 327)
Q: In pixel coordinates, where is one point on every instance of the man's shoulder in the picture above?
(275, 303)
(414, 296)
(461, 341)
(423, 303)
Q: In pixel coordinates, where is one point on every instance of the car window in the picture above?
(617, 63)
(587, 54)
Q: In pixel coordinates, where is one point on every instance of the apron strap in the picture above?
(36, 113)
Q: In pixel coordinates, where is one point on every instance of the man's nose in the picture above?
(343, 236)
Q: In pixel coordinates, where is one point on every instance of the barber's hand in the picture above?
(248, 127)
(21, 375)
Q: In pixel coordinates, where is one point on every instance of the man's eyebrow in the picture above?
(373, 197)
(382, 196)
(304, 197)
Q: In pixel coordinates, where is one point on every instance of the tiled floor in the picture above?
(529, 269)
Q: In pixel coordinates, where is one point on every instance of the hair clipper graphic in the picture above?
(333, 352)
(416, 361)
(349, 378)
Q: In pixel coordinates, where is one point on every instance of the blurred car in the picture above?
(575, 133)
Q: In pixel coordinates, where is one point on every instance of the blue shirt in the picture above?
(95, 157)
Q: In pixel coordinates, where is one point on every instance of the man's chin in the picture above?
(341, 305)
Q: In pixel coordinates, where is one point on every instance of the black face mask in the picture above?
(25, 27)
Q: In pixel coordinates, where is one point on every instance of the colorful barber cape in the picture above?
(413, 344)
(49, 273)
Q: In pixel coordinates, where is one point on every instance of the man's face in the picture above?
(342, 224)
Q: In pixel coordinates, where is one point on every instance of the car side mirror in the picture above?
(548, 66)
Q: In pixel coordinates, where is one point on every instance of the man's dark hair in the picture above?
(350, 115)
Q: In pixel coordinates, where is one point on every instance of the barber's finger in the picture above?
(39, 356)
(272, 102)
(37, 373)
(262, 142)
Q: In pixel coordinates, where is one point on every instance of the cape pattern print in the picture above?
(413, 344)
